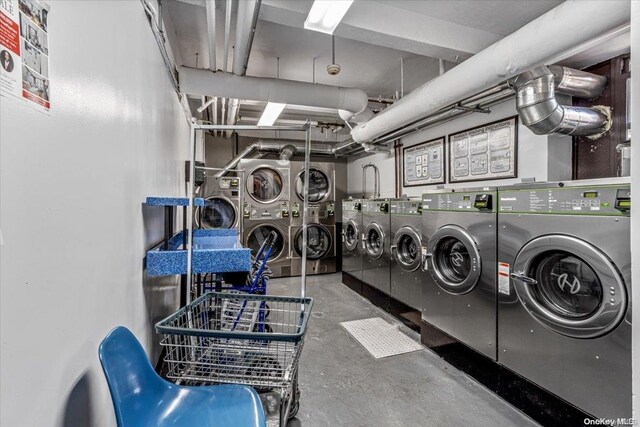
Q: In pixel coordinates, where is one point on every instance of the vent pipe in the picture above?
(352, 102)
(567, 29)
(287, 152)
(543, 114)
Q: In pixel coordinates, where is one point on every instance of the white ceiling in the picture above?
(370, 41)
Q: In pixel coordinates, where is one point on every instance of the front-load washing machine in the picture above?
(321, 228)
(256, 232)
(459, 291)
(377, 244)
(223, 207)
(405, 249)
(352, 245)
(565, 291)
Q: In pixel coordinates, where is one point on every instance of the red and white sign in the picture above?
(24, 52)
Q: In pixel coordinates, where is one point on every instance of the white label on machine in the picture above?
(503, 278)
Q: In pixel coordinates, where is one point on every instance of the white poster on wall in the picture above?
(24, 52)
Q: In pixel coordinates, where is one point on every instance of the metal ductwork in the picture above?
(204, 82)
(540, 111)
(563, 31)
(286, 150)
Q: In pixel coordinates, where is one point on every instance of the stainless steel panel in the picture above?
(376, 268)
(591, 373)
(327, 261)
(469, 317)
(352, 258)
(406, 279)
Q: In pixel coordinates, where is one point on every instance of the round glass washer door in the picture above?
(374, 240)
(220, 213)
(265, 184)
(259, 234)
(319, 185)
(319, 242)
(351, 235)
(569, 286)
(454, 261)
(406, 248)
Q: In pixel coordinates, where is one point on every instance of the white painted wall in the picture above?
(635, 214)
(534, 160)
(74, 230)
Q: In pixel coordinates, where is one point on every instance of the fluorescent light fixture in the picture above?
(325, 15)
(271, 113)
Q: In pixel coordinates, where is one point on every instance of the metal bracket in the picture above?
(476, 109)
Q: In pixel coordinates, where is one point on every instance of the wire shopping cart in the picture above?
(223, 338)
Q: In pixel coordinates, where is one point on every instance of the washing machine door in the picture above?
(220, 213)
(319, 185)
(569, 286)
(405, 248)
(265, 184)
(319, 242)
(257, 236)
(351, 235)
(374, 240)
(454, 260)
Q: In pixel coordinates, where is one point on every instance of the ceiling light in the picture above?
(325, 15)
(271, 113)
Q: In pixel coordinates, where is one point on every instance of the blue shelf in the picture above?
(173, 201)
(214, 251)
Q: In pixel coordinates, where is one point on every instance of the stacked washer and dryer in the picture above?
(321, 226)
(266, 208)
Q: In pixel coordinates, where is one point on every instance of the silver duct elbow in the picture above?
(287, 152)
(543, 114)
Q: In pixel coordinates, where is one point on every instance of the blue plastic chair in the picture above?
(142, 398)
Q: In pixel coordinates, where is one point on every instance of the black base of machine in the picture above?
(539, 404)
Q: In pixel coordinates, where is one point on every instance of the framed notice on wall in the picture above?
(424, 164)
(486, 152)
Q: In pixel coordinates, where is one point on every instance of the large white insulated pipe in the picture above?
(204, 82)
(550, 38)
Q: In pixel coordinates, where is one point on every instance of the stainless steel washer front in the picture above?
(564, 301)
(459, 293)
(376, 242)
(352, 245)
(406, 257)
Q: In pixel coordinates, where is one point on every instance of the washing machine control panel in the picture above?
(597, 200)
(229, 183)
(351, 205)
(406, 208)
(459, 201)
(261, 212)
(380, 207)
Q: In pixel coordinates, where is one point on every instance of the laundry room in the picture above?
(319, 213)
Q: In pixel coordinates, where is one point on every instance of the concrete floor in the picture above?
(343, 385)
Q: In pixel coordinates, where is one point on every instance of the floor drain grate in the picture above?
(380, 338)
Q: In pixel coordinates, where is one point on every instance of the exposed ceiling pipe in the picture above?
(351, 102)
(546, 40)
(227, 32)
(578, 83)
(215, 112)
(210, 10)
(246, 22)
(441, 67)
(287, 152)
(541, 112)
(275, 147)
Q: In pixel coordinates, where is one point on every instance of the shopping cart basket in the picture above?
(219, 339)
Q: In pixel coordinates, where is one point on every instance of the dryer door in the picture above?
(221, 213)
(265, 184)
(257, 236)
(406, 248)
(374, 240)
(319, 185)
(351, 235)
(319, 242)
(569, 286)
(454, 260)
